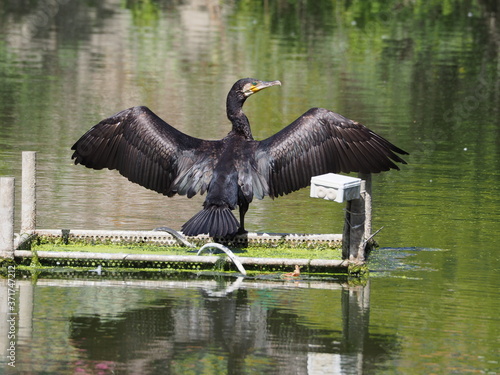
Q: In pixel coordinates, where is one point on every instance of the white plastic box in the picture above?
(335, 187)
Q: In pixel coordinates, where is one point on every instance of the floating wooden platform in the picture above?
(190, 261)
(355, 240)
(165, 238)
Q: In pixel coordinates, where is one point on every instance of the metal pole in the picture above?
(28, 205)
(7, 195)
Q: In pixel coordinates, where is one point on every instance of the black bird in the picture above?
(233, 170)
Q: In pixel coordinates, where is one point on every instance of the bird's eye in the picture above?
(254, 83)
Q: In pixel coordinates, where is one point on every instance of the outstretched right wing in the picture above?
(318, 142)
(149, 152)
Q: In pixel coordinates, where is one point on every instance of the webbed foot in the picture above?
(241, 231)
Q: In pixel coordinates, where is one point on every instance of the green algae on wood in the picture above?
(264, 251)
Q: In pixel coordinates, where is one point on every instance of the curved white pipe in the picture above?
(229, 253)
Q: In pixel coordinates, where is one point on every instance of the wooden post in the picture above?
(7, 198)
(354, 229)
(28, 205)
(357, 225)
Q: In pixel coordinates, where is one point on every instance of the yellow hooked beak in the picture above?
(260, 85)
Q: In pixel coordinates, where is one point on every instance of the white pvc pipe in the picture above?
(229, 253)
(7, 198)
(28, 203)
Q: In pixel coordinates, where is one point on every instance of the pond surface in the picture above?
(423, 74)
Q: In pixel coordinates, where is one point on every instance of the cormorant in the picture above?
(233, 170)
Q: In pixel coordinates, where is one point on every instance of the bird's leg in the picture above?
(243, 210)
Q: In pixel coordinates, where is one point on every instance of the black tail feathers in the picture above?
(216, 221)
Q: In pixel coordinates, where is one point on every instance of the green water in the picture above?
(424, 74)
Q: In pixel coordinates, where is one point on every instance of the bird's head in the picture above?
(240, 91)
(248, 86)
